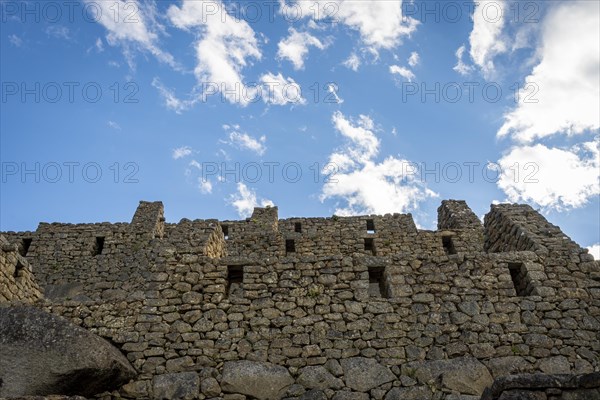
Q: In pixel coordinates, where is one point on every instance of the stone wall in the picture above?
(328, 314)
(17, 283)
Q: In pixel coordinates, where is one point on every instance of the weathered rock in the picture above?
(314, 395)
(318, 377)
(363, 374)
(210, 387)
(555, 365)
(184, 386)
(464, 375)
(503, 366)
(538, 383)
(44, 354)
(350, 396)
(135, 389)
(262, 380)
(409, 393)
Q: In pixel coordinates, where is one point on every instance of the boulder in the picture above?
(181, 386)
(363, 374)
(509, 365)
(555, 365)
(314, 395)
(465, 375)
(317, 377)
(350, 396)
(262, 380)
(409, 393)
(42, 354)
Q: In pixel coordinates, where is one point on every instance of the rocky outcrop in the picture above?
(42, 354)
(536, 386)
(262, 380)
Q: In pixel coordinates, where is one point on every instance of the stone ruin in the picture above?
(343, 308)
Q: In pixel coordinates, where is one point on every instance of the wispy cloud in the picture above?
(414, 59)
(352, 62)
(15, 40)
(403, 72)
(114, 125)
(172, 102)
(181, 152)
(243, 141)
(59, 32)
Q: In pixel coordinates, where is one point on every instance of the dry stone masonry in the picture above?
(339, 308)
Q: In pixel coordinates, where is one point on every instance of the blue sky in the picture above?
(320, 107)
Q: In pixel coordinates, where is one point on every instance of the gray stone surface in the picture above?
(179, 386)
(363, 374)
(317, 377)
(264, 381)
(409, 393)
(465, 375)
(42, 354)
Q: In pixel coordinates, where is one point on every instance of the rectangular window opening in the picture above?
(298, 227)
(377, 287)
(25, 244)
(235, 279)
(98, 246)
(370, 226)
(19, 268)
(448, 245)
(518, 274)
(290, 246)
(370, 245)
(225, 230)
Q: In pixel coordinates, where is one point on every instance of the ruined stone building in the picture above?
(340, 308)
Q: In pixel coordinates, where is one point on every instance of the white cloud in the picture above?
(59, 32)
(244, 141)
(333, 89)
(279, 90)
(181, 152)
(414, 59)
(380, 24)
(114, 125)
(225, 46)
(295, 47)
(132, 25)
(352, 62)
(99, 45)
(15, 40)
(172, 102)
(461, 67)
(246, 199)
(562, 94)
(403, 72)
(486, 38)
(553, 178)
(364, 185)
(595, 251)
(205, 185)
